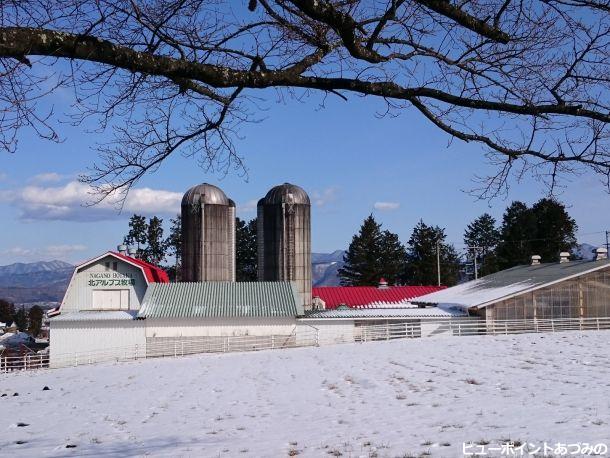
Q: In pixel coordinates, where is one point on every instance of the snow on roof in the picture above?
(370, 296)
(411, 312)
(96, 315)
(510, 282)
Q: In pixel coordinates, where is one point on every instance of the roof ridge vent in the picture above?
(601, 253)
(564, 256)
(535, 259)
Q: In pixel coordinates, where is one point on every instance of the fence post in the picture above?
(175, 348)
(597, 320)
(272, 341)
(182, 345)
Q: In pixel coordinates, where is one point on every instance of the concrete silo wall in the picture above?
(208, 236)
(284, 244)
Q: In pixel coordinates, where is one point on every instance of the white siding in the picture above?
(92, 277)
(329, 331)
(203, 327)
(95, 341)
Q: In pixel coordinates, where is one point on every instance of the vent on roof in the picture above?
(122, 249)
(564, 256)
(601, 253)
(536, 260)
(133, 252)
(383, 284)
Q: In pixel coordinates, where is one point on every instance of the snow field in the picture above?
(401, 398)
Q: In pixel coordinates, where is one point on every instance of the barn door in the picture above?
(110, 299)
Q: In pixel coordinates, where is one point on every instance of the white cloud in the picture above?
(3, 176)
(386, 206)
(50, 252)
(247, 207)
(69, 202)
(326, 196)
(50, 177)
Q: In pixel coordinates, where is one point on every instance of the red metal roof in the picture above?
(153, 273)
(370, 296)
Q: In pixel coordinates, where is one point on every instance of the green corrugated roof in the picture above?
(221, 299)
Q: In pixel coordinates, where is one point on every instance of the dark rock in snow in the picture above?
(3, 395)
(70, 446)
(15, 394)
(21, 425)
(46, 388)
(21, 442)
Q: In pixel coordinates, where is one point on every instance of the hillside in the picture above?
(44, 281)
(325, 267)
(384, 399)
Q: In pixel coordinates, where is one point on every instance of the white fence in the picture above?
(304, 336)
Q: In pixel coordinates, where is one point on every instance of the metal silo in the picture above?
(208, 235)
(284, 238)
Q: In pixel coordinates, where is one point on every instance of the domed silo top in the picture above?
(205, 193)
(286, 193)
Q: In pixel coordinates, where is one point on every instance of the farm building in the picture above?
(382, 295)
(564, 289)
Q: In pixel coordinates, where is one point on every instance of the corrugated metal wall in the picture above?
(79, 295)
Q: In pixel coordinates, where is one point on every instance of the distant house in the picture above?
(564, 289)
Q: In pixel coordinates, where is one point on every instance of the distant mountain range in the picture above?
(325, 267)
(35, 282)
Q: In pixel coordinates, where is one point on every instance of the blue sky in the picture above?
(349, 160)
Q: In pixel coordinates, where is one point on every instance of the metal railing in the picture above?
(304, 336)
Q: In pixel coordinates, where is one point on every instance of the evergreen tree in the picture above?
(155, 244)
(392, 255)
(246, 259)
(35, 316)
(482, 238)
(546, 229)
(7, 311)
(173, 244)
(516, 233)
(138, 231)
(421, 267)
(373, 254)
(555, 230)
(20, 318)
(361, 260)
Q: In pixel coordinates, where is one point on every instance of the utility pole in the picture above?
(438, 262)
(607, 241)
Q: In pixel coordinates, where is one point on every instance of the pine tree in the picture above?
(555, 230)
(392, 256)
(546, 229)
(20, 318)
(138, 231)
(421, 267)
(361, 260)
(7, 311)
(373, 254)
(482, 238)
(35, 316)
(173, 245)
(246, 260)
(155, 249)
(516, 233)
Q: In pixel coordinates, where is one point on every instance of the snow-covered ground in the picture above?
(400, 398)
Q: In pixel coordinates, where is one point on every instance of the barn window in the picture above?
(115, 266)
(107, 266)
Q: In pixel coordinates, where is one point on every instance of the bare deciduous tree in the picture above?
(528, 79)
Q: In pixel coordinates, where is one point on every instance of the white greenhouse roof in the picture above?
(510, 282)
(97, 315)
(400, 312)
